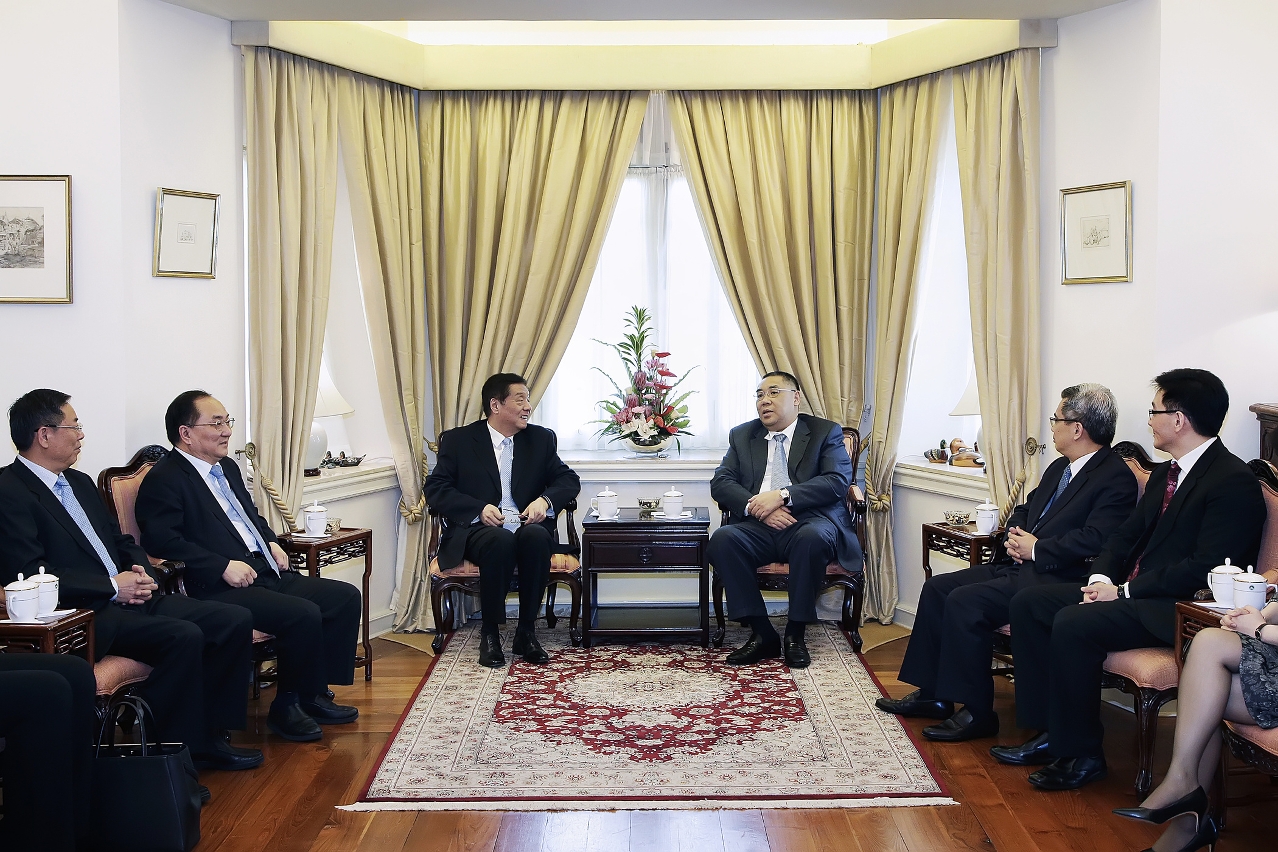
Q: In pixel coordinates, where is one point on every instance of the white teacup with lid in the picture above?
(605, 504)
(22, 599)
(1251, 589)
(315, 519)
(986, 518)
(47, 584)
(672, 503)
(1221, 582)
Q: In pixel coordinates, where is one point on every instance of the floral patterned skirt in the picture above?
(1258, 672)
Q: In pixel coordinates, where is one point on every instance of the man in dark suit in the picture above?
(1198, 509)
(497, 484)
(1083, 497)
(193, 507)
(784, 479)
(52, 517)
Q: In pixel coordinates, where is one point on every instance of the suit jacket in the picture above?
(466, 479)
(1075, 527)
(35, 530)
(1216, 512)
(820, 473)
(180, 519)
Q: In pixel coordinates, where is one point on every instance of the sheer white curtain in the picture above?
(655, 256)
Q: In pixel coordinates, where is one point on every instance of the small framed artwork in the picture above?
(1096, 233)
(35, 239)
(185, 234)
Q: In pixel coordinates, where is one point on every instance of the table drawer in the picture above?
(655, 555)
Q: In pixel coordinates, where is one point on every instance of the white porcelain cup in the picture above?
(672, 502)
(1221, 582)
(986, 518)
(1250, 590)
(605, 504)
(47, 585)
(22, 600)
(315, 520)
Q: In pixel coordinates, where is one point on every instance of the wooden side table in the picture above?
(314, 554)
(641, 544)
(1190, 618)
(70, 635)
(960, 542)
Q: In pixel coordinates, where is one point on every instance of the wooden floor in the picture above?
(288, 804)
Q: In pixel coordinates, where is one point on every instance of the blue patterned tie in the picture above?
(237, 512)
(507, 460)
(1060, 488)
(779, 473)
(62, 489)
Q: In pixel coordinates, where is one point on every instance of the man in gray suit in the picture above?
(784, 480)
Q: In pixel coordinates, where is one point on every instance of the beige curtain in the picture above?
(383, 171)
(910, 131)
(784, 183)
(518, 189)
(996, 123)
(291, 131)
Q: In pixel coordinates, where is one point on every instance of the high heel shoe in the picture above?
(1194, 802)
(1206, 835)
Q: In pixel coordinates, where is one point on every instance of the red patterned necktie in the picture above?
(1173, 476)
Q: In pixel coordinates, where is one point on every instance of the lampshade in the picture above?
(970, 404)
(329, 402)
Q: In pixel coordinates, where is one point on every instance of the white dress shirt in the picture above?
(766, 484)
(50, 479)
(203, 468)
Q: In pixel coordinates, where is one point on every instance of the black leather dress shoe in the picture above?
(291, 722)
(324, 711)
(755, 649)
(913, 706)
(961, 727)
(205, 795)
(795, 652)
(527, 646)
(1032, 752)
(220, 754)
(490, 654)
(1069, 773)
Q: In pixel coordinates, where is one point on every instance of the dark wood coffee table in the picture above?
(313, 554)
(1191, 617)
(637, 543)
(960, 542)
(72, 634)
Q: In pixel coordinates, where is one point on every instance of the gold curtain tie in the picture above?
(877, 502)
(415, 514)
(250, 453)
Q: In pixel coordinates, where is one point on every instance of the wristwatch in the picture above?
(1261, 629)
(785, 496)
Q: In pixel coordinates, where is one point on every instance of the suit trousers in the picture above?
(48, 722)
(737, 550)
(315, 622)
(949, 653)
(1060, 647)
(500, 553)
(199, 654)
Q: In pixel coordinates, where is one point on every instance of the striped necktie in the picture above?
(1173, 476)
(778, 472)
(504, 465)
(62, 490)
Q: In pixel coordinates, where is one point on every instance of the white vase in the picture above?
(647, 449)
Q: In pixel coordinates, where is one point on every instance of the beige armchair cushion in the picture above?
(560, 563)
(1148, 668)
(111, 673)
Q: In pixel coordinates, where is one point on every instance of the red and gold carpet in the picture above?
(648, 726)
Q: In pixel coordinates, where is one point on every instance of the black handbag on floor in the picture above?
(156, 781)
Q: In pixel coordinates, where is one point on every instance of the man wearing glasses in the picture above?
(51, 517)
(193, 507)
(1198, 509)
(784, 480)
(1082, 498)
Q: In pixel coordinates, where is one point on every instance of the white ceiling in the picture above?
(629, 10)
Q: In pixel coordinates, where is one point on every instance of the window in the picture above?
(655, 255)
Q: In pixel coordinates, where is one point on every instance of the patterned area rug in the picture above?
(648, 726)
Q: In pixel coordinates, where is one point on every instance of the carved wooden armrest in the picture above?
(171, 576)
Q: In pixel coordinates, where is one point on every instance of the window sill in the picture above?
(917, 473)
(623, 465)
(345, 482)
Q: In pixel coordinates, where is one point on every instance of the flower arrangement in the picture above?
(646, 412)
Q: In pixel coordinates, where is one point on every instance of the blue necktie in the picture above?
(506, 461)
(62, 490)
(1060, 488)
(778, 472)
(236, 512)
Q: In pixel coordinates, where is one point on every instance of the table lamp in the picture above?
(328, 403)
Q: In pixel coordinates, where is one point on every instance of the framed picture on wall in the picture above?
(35, 239)
(1096, 233)
(185, 234)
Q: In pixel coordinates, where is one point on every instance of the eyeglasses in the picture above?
(774, 393)
(228, 423)
(76, 426)
(1154, 411)
(1054, 420)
